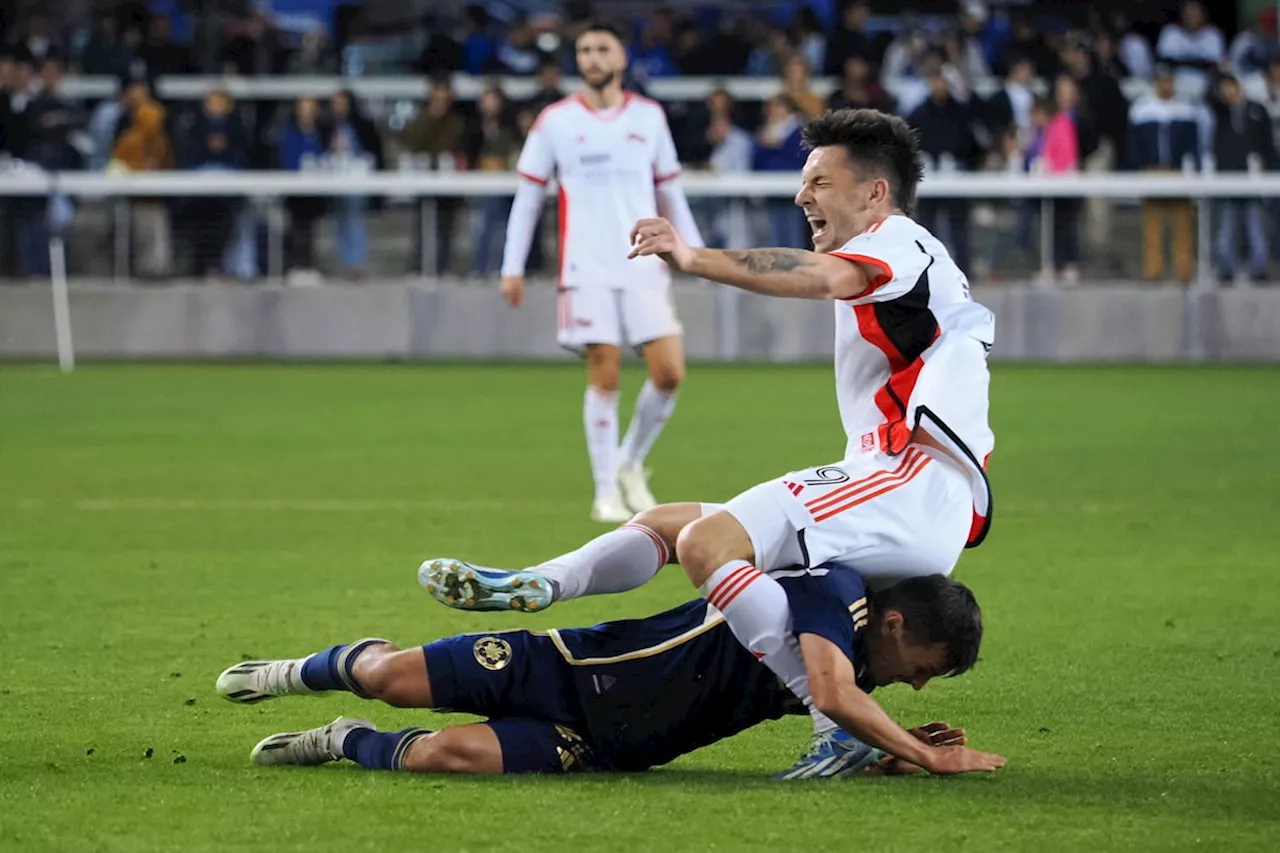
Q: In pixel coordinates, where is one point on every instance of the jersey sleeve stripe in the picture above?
(882, 278)
(662, 179)
(547, 110)
(542, 182)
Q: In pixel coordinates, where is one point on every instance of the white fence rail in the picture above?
(466, 87)
(1117, 186)
(268, 190)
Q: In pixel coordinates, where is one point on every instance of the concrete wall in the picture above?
(408, 319)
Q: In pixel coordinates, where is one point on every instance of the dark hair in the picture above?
(603, 27)
(937, 609)
(875, 141)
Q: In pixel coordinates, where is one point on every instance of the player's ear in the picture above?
(892, 623)
(880, 190)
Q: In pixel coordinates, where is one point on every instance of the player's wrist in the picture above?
(919, 754)
(696, 264)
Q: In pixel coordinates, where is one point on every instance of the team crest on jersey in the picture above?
(492, 653)
(635, 137)
(868, 441)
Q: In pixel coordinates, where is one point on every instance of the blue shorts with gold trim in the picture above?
(519, 681)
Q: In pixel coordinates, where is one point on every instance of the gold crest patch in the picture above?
(492, 653)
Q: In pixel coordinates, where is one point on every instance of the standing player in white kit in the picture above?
(612, 154)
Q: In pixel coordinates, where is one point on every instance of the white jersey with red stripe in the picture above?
(912, 350)
(608, 164)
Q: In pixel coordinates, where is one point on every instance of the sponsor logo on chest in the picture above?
(613, 155)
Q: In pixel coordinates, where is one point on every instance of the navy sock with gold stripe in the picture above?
(380, 750)
(332, 668)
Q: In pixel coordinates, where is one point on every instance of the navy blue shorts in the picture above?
(519, 681)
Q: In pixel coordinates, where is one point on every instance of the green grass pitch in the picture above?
(159, 523)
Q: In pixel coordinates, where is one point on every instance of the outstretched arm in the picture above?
(775, 272)
(781, 272)
(836, 694)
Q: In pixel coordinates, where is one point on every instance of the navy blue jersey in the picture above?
(649, 690)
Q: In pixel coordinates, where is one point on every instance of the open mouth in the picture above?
(817, 226)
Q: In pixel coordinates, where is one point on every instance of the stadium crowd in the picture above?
(988, 90)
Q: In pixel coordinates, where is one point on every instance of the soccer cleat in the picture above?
(462, 586)
(633, 482)
(307, 749)
(834, 753)
(611, 509)
(254, 680)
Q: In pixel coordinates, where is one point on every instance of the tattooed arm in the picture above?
(781, 272)
(774, 272)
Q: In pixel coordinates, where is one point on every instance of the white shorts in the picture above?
(889, 518)
(634, 315)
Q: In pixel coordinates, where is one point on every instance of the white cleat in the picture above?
(254, 680)
(610, 509)
(307, 749)
(633, 482)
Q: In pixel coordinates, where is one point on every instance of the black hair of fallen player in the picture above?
(604, 27)
(874, 142)
(936, 609)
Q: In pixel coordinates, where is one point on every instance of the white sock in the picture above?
(600, 419)
(755, 607)
(619, 560)
(653, 408)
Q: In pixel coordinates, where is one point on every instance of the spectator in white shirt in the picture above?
(1193, 48)
(1132, 49)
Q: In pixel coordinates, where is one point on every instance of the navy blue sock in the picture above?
(332, 668)
(380, 750)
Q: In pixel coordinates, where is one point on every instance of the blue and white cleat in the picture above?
(834, 753)
(307, 749)
(462, 586)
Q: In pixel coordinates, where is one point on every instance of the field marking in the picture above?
(275, 505)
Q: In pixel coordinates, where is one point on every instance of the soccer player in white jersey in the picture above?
(612, 155)
(910, 492)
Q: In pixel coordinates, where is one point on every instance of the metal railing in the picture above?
(268, 190)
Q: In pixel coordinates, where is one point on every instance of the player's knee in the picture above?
(380, 674)
(696, 551)
(667, 520)
(667, 378)
(445, 751)
(604, 369)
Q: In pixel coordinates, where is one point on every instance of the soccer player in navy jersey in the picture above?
(633, 694)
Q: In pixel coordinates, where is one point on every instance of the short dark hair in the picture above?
(937, 609)
(604, 27)
(875, 141)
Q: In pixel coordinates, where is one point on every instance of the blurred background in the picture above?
(405, 119)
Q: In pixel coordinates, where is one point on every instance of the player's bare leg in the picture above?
(600, 420)
(657, 400)
(472, 748)
(619, 560)
(372, 669)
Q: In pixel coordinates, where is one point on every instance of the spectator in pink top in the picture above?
(1059, 155)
